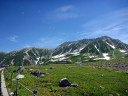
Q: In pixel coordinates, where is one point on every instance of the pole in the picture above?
(35, 92)
(11, 79)
(17, 88)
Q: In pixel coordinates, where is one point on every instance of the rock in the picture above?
(73, 85)
(118, 94)
(46, 73)
(101, 87)
(64, 82)
(20, 69)
(11, 94)
(42, 76)
(43, 85)
(36, 73)
(30, 69)
(102, 75)
(14, 71)
(52, 68)
(110, 95)
(85, 94)
(126, 91)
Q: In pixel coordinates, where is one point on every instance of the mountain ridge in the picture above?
(98, 48)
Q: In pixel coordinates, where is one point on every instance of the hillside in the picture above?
(103, 48)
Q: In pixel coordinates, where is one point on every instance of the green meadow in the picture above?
(89, 80)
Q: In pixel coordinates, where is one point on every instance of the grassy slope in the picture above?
(88, 78)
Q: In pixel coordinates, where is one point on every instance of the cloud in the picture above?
(49, 42)
(113, 25)
(62, 13)
(13, 38)
(65, 8)
(26, 46)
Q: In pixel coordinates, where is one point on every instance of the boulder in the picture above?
(101, 87)
(43, 85)
(73, 85)
(42, 76)
(52, 68)
(20, 69)
(110, 95)
(45, 73)
(36, 73)
(30, 69)
(64, 82)
(85, 94)
(126, 91)
(14, 71)
(11, 94)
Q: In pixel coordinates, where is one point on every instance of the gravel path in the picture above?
(3, 85)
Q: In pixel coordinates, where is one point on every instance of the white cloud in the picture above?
(65, 8)
(49, 42)
(27, 46)
(13, 38)
(62, 13)
(113, 25)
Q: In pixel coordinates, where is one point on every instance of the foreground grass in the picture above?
(89, 80)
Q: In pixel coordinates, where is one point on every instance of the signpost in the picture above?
(18, 77)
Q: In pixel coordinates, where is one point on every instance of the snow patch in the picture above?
(59, 56)
(123, 51)
(37, 60)
(96, 48)
(106, 56)
(111, 45)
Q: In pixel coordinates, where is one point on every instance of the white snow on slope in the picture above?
(105, 56)
(59, 56)
(111, 45)
(37, 60)
(96, 48)
(123, 51)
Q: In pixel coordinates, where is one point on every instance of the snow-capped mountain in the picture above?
(103, 48)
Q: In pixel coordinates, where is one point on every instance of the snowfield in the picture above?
(111, 45)
(105, 56)
(123, 51)
(37, 60)
(96, 48)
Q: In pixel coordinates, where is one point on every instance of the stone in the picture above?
(30, 69)
(101, 87)
(73, 85)
(11, 94)
(46, 73)
(64, 82)
(14, 71)
(52, 68)
(36, 73)
(102, 75)
(118, 94)
(43, 85)
(20, 69)
(85, 94)
(42, 76)
(126, 91)
(110, 95)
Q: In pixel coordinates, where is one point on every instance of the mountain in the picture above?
(103, 48)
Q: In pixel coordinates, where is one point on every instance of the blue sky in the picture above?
(49, 23)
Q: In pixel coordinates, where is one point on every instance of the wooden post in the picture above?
(17, 88)
(11, 79)
(34, 92)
